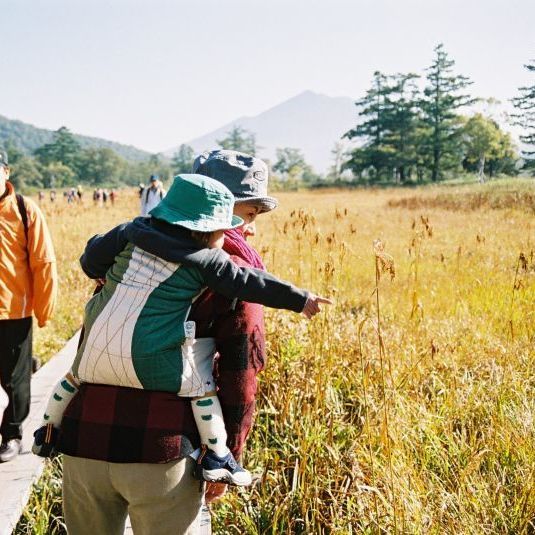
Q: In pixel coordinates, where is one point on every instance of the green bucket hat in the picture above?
(198, 203)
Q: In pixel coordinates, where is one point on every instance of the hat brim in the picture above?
(266, 204)
(174, 217)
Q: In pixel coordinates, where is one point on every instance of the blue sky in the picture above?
(155, 73)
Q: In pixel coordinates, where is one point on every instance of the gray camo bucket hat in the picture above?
(245, 176)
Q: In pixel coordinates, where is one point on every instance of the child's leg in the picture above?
(63, 392)
(210, 424)
(46, 436)
(217, 462)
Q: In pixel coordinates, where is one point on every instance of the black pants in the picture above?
(15, 373)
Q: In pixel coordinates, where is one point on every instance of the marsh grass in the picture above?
(408, 406)
(506, 193)
(43, 514)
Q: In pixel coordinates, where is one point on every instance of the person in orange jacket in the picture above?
(28, 285)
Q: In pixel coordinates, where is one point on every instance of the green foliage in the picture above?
(183, 159)
(294, 170)
(63, 163)
(43, 513)
(57, 175)
(402, 125)
(28, 138)
(390, 129)
(25, 172)
(338, 156)
(13, 151)
(525, 117)
(487, 148)
(370, 158)
(63, 149)
(100, 166)
(239, 139)
(442, 99)
(288, 158)
(405, 135)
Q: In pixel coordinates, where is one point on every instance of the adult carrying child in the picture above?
(135, 330)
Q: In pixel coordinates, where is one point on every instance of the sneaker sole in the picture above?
(8, 458)
(240, 479)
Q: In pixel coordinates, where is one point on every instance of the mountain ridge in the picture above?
(309, 121)
(28, 137)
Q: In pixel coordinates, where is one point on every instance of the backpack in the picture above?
(147, 194)
(23, 214)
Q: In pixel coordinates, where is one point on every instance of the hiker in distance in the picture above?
(28, 285)
(151, 196)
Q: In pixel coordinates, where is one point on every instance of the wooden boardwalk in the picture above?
(17, 476)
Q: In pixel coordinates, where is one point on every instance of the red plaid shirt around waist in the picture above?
(129, 425)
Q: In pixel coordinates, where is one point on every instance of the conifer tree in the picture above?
(240, 139)
(370, 130)
(389, 128)
(64, 149)
(183, 159)
(525, 117)
(401, 124)
(442, 99)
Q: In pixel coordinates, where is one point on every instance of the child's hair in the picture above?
(201, 237)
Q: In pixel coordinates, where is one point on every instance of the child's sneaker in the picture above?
(225, 469)
(44, 443)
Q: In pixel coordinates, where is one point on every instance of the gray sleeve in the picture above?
(101, 250)
(248, 284)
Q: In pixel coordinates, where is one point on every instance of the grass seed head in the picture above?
(384, 260)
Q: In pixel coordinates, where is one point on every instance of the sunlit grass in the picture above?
(435, 434)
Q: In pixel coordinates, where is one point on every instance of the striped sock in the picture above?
(63, 392)
(209, 419)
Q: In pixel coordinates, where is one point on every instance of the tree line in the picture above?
(407, 131)
(64, 163)
(408, 134)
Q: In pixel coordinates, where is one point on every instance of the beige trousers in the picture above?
(160, 498)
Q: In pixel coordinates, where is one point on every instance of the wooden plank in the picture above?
(17, 476)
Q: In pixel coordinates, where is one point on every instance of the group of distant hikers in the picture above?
(149, 195)
(76, 195)
(153, 415)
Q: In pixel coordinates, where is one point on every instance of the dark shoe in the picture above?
(44, 443)
(210, 467)
(9, 450)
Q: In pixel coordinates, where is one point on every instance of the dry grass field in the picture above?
(409, 405)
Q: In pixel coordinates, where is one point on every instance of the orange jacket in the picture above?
(28, 277)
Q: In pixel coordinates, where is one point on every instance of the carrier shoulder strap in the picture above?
(23, 213)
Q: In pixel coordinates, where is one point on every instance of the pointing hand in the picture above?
(312, 306)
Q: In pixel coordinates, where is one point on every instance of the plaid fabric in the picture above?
(128, 425)
(239, 335)
(119, 425)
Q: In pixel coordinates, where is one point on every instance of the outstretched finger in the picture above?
(324, 300)
(307, 314)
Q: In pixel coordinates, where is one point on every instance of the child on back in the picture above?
(136, 332)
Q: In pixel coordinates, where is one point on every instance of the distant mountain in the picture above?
(308, 121)
(28, 138)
